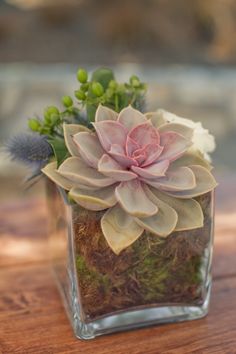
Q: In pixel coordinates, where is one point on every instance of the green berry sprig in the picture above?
(49, 123)
(101, 88)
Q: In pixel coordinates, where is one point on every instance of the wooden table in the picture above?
(33, 320)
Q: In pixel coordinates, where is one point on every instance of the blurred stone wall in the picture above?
(104, 31)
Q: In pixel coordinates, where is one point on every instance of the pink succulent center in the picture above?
(139, 147)
(124, 151)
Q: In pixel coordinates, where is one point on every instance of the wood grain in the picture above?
(33, 320)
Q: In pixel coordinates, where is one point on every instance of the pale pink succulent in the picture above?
(140, 168)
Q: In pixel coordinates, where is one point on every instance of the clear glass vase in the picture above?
(153, 281)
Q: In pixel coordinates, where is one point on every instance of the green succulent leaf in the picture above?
(59, 149)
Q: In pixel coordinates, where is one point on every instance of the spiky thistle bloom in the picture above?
(31, 149)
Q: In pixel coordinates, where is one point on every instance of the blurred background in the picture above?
(184, 50)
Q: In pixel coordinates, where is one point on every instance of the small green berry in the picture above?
(97, 89)
(34, 124)
(80, 95)
(134, 81)
(109, 93)
(133, 77)
(84, 87)
(49, 111)
(67, 101)
(55, 118)
(52, 110)
(70, 110)
(113, 84)
(47, 118)
(82, 76)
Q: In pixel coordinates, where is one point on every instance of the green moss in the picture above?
(153, 284)
(152, 271)
(161, 273)
(91, 276)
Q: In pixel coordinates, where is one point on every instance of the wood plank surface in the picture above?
(33, 320)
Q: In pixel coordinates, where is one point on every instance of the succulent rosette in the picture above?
(141, 169)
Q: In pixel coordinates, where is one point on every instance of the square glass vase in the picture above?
(154, 281)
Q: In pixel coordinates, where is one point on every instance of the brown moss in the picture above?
(152, 271)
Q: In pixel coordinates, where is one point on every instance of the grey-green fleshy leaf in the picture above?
(205, 182)
(163, 222)
(50, 170)
(192, 157)
(99, 199)
(77, 171)
(69, 131)
(190, 215)
(119, 229)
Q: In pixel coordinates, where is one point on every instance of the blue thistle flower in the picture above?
(31, 149)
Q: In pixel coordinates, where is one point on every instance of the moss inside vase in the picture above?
(152, 271)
